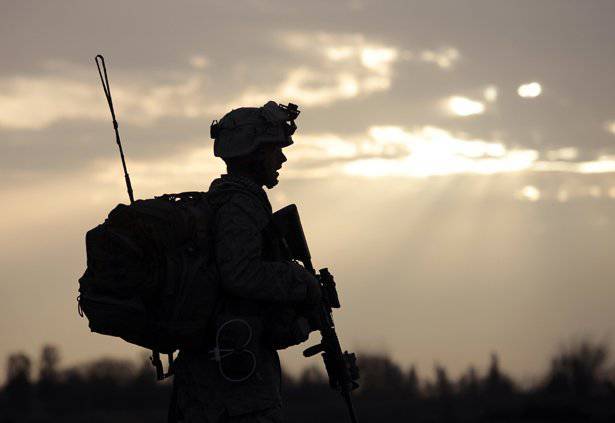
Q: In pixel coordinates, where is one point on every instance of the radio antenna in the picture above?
(100, 61)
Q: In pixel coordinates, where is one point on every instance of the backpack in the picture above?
(150, 278)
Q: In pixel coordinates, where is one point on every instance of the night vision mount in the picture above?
(293, 113)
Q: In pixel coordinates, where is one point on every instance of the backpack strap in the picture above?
(155, 358)
(157, 363)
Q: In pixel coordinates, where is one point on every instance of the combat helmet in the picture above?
(241, 131)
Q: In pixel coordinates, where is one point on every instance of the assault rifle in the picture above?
(341, 366)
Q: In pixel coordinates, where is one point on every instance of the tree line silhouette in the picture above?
(578, 386)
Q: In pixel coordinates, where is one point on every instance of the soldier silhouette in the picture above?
(262, 298)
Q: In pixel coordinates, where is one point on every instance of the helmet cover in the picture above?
(241, 131)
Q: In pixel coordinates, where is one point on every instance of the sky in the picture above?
(454, 162)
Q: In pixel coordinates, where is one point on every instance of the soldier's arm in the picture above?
(243, 272)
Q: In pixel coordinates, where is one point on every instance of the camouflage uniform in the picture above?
(256, 286)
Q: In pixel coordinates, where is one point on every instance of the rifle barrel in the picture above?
(350, 406)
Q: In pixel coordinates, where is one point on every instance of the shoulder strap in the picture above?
(182, 196)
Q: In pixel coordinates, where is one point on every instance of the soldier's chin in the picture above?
(272, 180)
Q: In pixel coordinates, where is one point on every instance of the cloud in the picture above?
(566, 153)
(398, 151)
(463, 106)
(610, 127)
(199, 61)
(604, 164)
(379, 59)
(529, 90)
(35, 102)
(426, 151)
(337, 66)
(444, 58)
(174, 172)
(334, 67)
(491, 93)
(529, 193)
(70, 146)
(307, 87)
(436, 151)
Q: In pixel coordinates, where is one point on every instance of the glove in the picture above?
(313, 290)
(313, 293)
(284, 328)
(300, 330)
(312, 314)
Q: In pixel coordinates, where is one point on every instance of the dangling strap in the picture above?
(155, 359)
(171, 368)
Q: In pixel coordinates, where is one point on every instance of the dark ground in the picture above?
(577, 388)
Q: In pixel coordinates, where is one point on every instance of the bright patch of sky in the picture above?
(490, 93)
(378, 58)
(529, 90)
(153, 176)
(199, 61)
(419, 152)
(595, 191)
(529, 193)
(337, 67)
(346, 66)
(27, 102)
(37, 102)
(428, 151)
(562, 195)
(603, 164)
(463, 106)
(444, 58)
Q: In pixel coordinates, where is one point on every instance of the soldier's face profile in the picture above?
(272, 159)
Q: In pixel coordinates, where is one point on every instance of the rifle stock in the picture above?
(288, 225)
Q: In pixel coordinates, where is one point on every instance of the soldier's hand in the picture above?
(312, 314)
(300, 330)
(313, 292)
